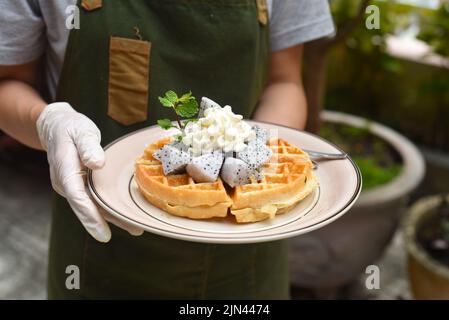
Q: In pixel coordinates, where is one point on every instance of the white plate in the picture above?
(114, 188)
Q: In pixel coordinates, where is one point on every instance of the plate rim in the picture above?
(318, 195)
(236, 239)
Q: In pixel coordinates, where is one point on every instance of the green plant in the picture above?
(435, 29)
(185, 106)
(373, 173)
(352, 34)
(377, 160)
(409, 96)
(348, 14)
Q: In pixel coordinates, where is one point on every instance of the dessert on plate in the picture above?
(217, 164)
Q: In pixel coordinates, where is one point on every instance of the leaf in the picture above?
(165, 123)
(165, 102)
(185, 97)
(188, 109)
(171, 96)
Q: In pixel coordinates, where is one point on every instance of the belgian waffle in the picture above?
(287, 178)
(178, 194)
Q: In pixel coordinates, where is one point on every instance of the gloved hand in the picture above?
(72, 142)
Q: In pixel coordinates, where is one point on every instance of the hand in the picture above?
(72, 142)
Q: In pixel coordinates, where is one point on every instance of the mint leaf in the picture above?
(185, 107)
(185, 97)
(171, 96)
(165, 123)
(165, 102)
(188, 109)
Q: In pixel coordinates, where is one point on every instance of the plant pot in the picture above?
(437, 173)
(330, 258)
(429, 278)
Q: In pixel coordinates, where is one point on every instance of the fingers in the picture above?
(54, 184)
(77, 145)
(87, 137)
(90, 151)
(70, 179)
(86, 210)
(132, 230)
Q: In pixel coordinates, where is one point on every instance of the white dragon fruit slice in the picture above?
(205, 168)
(236, 172)
(173, 159)
(255, 154)
(258, 175)
(261, 134)
(206, 103)
(179, 145)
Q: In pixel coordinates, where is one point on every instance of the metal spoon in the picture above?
(316, 156)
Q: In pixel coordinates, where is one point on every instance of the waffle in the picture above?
(178, 194)
(287, 178)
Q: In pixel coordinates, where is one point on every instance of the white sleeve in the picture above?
(22, 31)
(295, 22)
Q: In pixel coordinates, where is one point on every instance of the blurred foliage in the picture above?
(361, 38)
(379, 163)
(373, 174)
(363, 79)
(435, 29)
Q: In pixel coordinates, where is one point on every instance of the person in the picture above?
(102, 81)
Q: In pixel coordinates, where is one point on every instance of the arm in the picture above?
(72, 142)
(20, 103)
(283, 100)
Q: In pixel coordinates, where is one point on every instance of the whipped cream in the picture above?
(219, 129)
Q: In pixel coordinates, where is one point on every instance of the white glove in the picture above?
(72, 142)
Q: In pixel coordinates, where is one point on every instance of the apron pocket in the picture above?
(129, 62)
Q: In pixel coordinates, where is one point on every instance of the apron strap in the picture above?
(262, 11)
(90, 5)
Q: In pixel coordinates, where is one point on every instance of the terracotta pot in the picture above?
(334, 256)
(429, 279)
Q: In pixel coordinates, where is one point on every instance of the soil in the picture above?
(378, 161)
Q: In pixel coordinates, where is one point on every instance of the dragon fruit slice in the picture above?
(261, 134)
(205, 168)
(206, 103)
(179, 145)
(255, 154)
(258, 175)
(173, 159)
(236, 172)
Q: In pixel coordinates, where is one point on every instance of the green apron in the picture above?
(215, 48)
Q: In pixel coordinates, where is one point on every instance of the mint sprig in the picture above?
(185, 106)
(165, 124)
